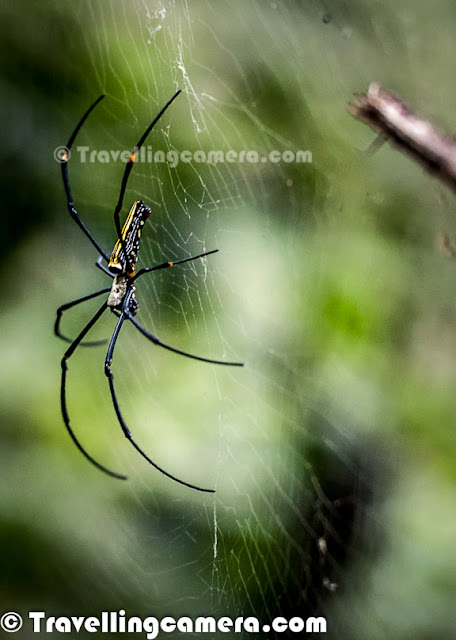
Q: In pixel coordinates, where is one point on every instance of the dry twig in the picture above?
(419, 138)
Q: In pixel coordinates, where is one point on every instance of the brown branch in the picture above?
(419, 138)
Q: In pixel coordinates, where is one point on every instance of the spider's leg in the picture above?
(73, 303)
(68, 353)
(103, 268)
(128, 168)
(156, 340)
(66, 182)
(165, 265)
(159, 343)
(125, 429)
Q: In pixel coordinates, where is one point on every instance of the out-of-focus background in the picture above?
(333, 449)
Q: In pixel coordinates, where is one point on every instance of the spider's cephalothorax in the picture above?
(124, 256)
(121, 267)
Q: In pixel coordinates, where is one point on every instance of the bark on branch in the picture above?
(418, 137)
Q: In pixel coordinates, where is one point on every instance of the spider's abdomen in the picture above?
(124, 256)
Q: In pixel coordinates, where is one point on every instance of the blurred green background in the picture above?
(333, 450)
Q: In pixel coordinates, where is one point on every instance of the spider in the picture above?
(120, 265)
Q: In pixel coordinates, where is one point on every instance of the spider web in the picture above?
(294, 442)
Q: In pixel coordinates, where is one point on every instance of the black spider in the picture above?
(121, 267)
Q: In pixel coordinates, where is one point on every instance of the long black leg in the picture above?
(165, 265)
(103, 268)
(156, 340)
(126, 175)
(125, 429)
(73, 303)
(127, 313)
(66, 418)
(66, 183)
(159, 343)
